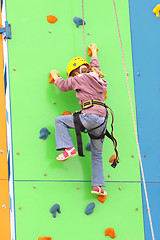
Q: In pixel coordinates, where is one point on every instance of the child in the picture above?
(89, 85)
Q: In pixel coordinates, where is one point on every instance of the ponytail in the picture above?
(96, 70)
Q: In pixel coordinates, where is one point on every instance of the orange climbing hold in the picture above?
(102, 198)
(105, 94)
(110, 232)
(51, 79)
(90, 52)
(51, 19)
(66, 113)
(44, 238)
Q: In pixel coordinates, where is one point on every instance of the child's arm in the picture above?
(93, 48)
(69, 84)
(94, 60)
(65, 85)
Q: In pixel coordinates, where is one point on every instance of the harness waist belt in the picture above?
(91, 103)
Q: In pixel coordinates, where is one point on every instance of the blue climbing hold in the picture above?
(90, 208)
(54, 209)
(78, 21)
(44, 133)
(88, 147)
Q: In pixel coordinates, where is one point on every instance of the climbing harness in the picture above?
(80, 128)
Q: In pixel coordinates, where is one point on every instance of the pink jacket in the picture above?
(88, 86)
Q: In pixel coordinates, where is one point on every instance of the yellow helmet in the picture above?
(75, 63)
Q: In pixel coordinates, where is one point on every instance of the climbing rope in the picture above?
(83, 29)
(140, 160)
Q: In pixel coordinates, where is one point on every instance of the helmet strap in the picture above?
(81, 67)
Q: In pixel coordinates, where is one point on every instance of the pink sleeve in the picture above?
(94, 62)
(67, 85)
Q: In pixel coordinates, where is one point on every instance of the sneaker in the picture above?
(99, 191)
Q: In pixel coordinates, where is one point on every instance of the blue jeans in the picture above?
(64, 140)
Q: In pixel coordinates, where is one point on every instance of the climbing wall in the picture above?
(39, 180)
(145, 44)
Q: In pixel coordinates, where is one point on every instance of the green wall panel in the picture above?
(118, 211)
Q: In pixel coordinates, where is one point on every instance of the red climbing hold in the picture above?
(66, 113)
(51, 19)
(44, 238)
(90, 52)
(102, 198)
(110, 232)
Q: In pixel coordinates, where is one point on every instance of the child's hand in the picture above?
(93, 47)
(53, 76)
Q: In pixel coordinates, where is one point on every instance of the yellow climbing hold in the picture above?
(156, 10)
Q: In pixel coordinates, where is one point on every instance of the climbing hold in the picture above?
(90, 52)
(120, 188)
(90, 208)
(18, 153)
(156, 10)
(127, 74)
(45, 174)
(88, 147)
(136, 209)
(54, 102)
(89, 33)
(144, 156)
(109, 175)
(102, 198)
(54, 209)
(34, 186)
(2, 151)
(4, 206)
(78, 21)
(105, 94)
(110, 232)
(132, 155)
(20, 208)
(44, 238)
(50, 31)
(51, 79)
(138, 74)
(14, 69)
(78, 187)
(44, 133)
(51, 19)
(66, 113)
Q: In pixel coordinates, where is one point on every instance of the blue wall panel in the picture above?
(145, 31)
